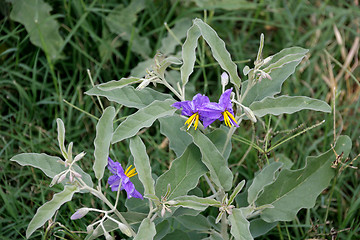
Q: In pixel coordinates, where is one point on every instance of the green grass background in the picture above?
(32, 90)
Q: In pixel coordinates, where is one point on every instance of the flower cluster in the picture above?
(200, 108)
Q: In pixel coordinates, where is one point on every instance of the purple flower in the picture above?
(123, 178)
(192, 109)
(222, 111)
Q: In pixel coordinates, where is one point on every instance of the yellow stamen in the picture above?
(192, 119)
(130, 173)
(127, 170)
(226, 119)
(196, 121)
(232, 117)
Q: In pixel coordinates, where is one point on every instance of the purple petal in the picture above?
(225, 100)
(199, 100)
(208, 121)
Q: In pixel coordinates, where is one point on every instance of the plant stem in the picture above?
(102, 197)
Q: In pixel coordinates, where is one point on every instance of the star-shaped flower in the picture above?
(222, 111)
(121, 178)
(192, 109)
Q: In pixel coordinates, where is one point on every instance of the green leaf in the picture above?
(265, 177)
(144, 117)
(183, 175)
(169, 43)
(219, 51)
(42, 28)
(287, 104)
(162, 229)
(269, 88)
(140, 69)
(104, 130)
(295, 189)
(50, 165)
(146, 230)
(214, 160)
(46, 211)
(122, 20)
(179, 140)
(189, 53)
(196, 203)
(240, 226)
(111, 85)
(129, 96)
(194, 223)
(259, 227)
(61, 136)
(218, 137)
(236, 191)
(142, 164)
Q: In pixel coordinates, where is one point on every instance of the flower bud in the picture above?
(62, 177)
(143, 84)
(55, 179)
(78, 175)
(249, 114)
(172, 202)
(90, 228)
(163, 211)
(224, 79)
(79, 156)
(79, 213)
(108, 236)
(124, 229)
(246, 70)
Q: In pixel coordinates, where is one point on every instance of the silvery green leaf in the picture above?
(267, 87)
(142, 164)
(265, 177)
(179, 140)
(196, 203)
(104, 130)
(295, 189)
(236, 191)
(146, 231)
(183, 175)
(140, 69)
(108, 86)
(168, 44)
(50, 165)
(164, 64)
(240, 226)
(162, 229)
(121, 21)
(129, 96)
(144, 117)
(42, 28)
(189, 53)
(219, 51)
(287, 104)
(218, 138)
(213, 159)
(61, 136)
(46, 211)
(259, 227)
(194, 223)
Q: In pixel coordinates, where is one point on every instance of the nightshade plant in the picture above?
(169, 204)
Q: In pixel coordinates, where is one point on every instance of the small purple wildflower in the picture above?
(122, 177)
(222, 111)
(192, 109)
